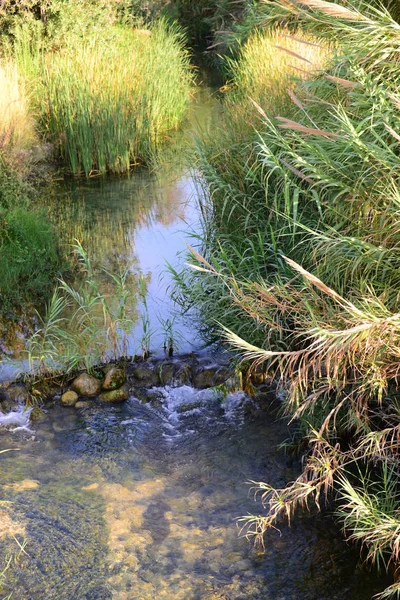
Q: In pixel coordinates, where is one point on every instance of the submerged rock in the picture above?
(146, 395)
(86, 385)
(83, 404)
(114, 379)
(37, 415)
(69, 398)
(118, 395)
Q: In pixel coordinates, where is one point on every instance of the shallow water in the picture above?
(140, 222)
(137, 502)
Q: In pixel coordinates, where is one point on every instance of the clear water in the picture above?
(137, 502)
(140, 222)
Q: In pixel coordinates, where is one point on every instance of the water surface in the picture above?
(139, 502)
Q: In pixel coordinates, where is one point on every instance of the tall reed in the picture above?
(17, 125)
(300, 263)
(109, 99)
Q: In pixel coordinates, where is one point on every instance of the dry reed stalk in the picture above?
(289, 124)
(331, 9)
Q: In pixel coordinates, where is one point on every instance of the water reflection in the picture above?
(137, 223)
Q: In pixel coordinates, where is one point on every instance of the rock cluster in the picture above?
(107, 386)
(142, 379)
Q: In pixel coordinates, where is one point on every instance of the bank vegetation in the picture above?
(298, 268)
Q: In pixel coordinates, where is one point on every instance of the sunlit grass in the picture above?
(17, 125)
(109, 100)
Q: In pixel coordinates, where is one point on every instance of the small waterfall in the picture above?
(16, 420)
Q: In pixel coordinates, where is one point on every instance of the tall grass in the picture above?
(109, 99)
(17, 126)
(29, 254)
(300, 264)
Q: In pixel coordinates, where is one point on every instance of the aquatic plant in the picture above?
(83, 325)
(299, 263)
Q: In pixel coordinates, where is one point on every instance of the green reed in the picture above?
(299, 264)
(108, 100)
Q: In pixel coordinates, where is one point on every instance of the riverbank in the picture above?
(297, 269)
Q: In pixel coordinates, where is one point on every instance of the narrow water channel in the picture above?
(140, 501)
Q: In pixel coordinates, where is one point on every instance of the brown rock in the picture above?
(70, 398)
(114, 379)
(18, 393)
(86, 385)
(146, 375)
(210, 376)
(37, 415)
(118, 395)
(83, 404)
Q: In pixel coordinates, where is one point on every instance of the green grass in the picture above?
(29, 248)
(109, 99)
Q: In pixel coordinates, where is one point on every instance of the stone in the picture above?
(37, 415)
(83, 404)
(210, 376)
(6, 404)
(182, 408)
(114, 379)
(145, 395)
(86, 385)
(18, 393)
(145, 375)
(69, 398)
(166, 372)
(118, 395)
(183, 375)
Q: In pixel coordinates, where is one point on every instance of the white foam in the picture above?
(16, 420)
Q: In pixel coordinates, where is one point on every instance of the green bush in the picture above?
(106, 96)
(29, 248)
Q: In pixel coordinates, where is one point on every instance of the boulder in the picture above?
(114, 379)
(69, 398)
(118, 395)
(86, 385)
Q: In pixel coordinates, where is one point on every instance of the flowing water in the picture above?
(136, 502)
(140, 501)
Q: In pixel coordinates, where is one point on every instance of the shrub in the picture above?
(107, 98)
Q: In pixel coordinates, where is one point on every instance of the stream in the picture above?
(140, 501)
